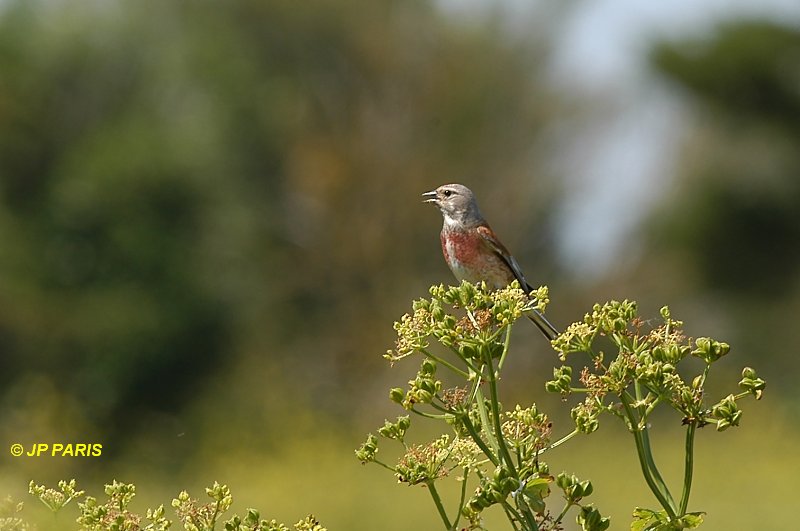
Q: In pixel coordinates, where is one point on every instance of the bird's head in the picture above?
(457, 203)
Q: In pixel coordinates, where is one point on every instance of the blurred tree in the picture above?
(735, 215)
(747, 72)
(191, 194)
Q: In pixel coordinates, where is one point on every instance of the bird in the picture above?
(472, 250)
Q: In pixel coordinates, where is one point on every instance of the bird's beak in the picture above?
(430, 197)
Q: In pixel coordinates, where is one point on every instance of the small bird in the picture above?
(472, 250)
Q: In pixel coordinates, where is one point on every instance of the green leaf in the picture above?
(590, 519)
(648, 520)
(692, 520)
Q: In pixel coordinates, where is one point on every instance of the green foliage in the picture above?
(114, 514)
(646, 364)
(647, 520)
(497, 451)
(639, 374)
(632, 370)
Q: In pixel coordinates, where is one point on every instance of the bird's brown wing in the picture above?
(547, 328)
(499, 249)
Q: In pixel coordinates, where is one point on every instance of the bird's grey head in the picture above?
(457, 203)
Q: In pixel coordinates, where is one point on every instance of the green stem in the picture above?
(505, 349)
(637, 387)
(487, 425)
(476, 386)
(498, 427)
(644, 434)
(429, 415)
(438, 501)
(688, 467)
(649, 470)
(528, 518)
(447, 413)
(561, 441)
(477, 438)
(213, 517)
(463, 497)
(444, 362)
(650, 408)
(563, 513)
(504, 454)
(384, 465)
(512, 515)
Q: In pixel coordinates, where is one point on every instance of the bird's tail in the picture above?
(543, 324)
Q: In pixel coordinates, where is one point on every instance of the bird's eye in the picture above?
(448, 193)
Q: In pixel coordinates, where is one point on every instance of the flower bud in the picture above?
(396, 395)
(468, 351)
(421, 304)
(403, 422)
(509, 485)
(500, 473)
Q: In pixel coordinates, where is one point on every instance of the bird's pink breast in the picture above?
(470, 259)
(459, 246)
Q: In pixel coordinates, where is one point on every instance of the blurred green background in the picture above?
(210, 218)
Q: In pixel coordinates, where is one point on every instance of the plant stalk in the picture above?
(438, 501)
(463, 497)
(649, 470)
(688, 467)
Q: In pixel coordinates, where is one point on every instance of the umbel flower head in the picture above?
(458, 316)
